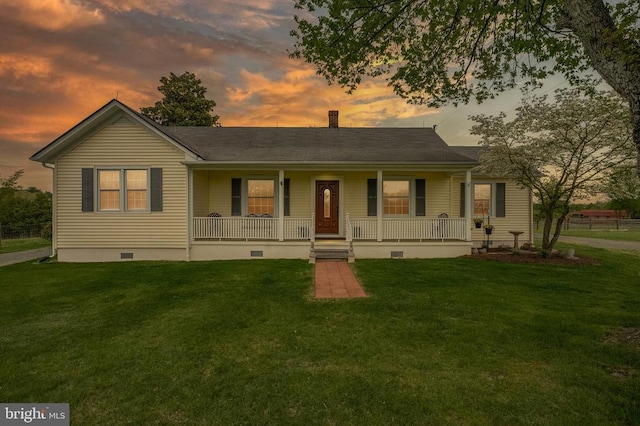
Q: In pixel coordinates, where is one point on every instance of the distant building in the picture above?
(600, 214)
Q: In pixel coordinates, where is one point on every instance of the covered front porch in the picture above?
(286, 213)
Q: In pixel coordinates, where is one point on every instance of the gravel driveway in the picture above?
(600, 243)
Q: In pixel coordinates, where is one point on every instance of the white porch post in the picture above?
(281, 206)
(189, 211)
(379, 206)
(467, 205)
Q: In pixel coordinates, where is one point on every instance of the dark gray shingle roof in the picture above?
(472, 152)
(343, 145)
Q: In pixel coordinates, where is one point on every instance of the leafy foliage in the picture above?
(23, 209)
(562, 151)
(437, 51)
(183, 103)
(623, 189)
(434, 51)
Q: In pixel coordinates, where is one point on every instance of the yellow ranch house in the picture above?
(126, 188)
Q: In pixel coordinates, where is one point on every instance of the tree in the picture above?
(183, 103)
(623, 190)
(21, 210)
(562, 151)
(435, 51)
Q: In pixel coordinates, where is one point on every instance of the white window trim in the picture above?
(412, 195)
(123, 190)
(245, 193)
(492, 198)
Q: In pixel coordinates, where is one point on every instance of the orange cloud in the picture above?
(18, 66)
(52, 14)
(300, 99)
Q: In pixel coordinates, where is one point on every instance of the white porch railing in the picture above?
(364, 228)
(250, 228)
(409, 229)
(259, 228)
(298, 228)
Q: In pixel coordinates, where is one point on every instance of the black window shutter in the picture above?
(287, 192)
(87, 190)
(501, 199)
(236, 197)
(421, 197)
(372, 197)
(156, 190)
(463, 197)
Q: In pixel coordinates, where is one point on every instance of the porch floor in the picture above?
(335, 279)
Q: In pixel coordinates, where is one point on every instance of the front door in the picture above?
(327, 208)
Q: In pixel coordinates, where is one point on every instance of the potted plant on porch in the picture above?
(478, 221)
(488, 229)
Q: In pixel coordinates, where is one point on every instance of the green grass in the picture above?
(441, 341)
(631, 235)
(22, 244)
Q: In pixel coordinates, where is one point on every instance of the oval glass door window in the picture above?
(327, 203)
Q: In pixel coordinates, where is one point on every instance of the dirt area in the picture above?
(625, 335)
(534, 257)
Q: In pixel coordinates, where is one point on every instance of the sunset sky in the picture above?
(60, 60)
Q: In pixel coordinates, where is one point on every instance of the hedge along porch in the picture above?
(126, 188)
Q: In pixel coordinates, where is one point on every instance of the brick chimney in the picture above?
(333, 119)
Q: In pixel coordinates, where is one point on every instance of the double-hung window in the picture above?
(261, 197)
(123, 189)
(489, 199)
(400, 197)
(396, 197)
(482, 199)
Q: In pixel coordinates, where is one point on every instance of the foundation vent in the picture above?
(126, 255)
(397, 254)
(256, 253)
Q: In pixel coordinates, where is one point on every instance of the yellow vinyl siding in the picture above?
(438, 188)
(220, 191)
(355, 193)
(201, 193)
(122, 144)
(300, 194)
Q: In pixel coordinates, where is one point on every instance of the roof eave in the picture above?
(457, 166)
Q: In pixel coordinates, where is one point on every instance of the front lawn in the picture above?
(22, 244)
(442, 341)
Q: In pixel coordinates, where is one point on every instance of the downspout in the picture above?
(467, 204)
(189, 212)
(530, 217)
(54, 209)
(379, 225)
(281, 205)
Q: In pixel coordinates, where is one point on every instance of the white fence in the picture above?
(258, 228)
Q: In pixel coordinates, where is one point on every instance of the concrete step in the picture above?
(331, 253)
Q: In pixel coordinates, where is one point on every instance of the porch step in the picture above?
(331, 249)
(332, 254)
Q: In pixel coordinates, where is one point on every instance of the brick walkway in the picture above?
(334, 279)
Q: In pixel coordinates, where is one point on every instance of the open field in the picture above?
(442, 341)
